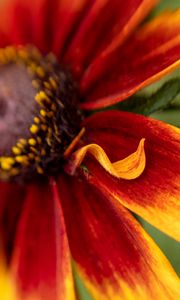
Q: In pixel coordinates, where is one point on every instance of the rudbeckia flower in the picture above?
(70, 179)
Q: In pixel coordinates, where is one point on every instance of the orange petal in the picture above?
(41, 262)
(113, 255)
(128, 168)
(152, 52)
(155, 194)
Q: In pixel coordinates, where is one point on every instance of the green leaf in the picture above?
(81, 290)
(171, 116)
(154, 87)
(163, 98)
(169, 246)
(166, 4)
(148, 104)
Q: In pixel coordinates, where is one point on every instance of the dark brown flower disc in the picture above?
(39, 115)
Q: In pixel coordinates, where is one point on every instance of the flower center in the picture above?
(39, 114)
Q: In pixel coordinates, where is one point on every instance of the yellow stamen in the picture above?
(32, 68)
(34, 150)
(47, 85)
(40, 72)
(36, 120)
(37, 159)
(43, 152)
(31, 155)
(23, 142)
(53, 107)
(44, 127)
(39, 170)
(39, 140)
(16, 150)
(23, 54)
(34, 129)
(35, 84)
(50, 114)
(10, 53)
(6, 163)
(14, 171)
(22, 159)
(43, 113)
(53, 82)
(32, 142)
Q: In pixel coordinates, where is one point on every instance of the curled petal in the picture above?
(128, 168)
(155, 195)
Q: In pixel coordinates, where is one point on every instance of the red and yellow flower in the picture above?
(76, 223)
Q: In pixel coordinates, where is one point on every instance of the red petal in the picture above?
(41, 262)
(155, 194)
(104, 28)
(31, 22)
(150, 53)
(115, 258)
(70, 15)
(19, 21)
(11, 203)
(37, 22)
(44, 19)
(3, 39)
